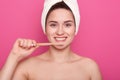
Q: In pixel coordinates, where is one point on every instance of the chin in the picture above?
(61, 47)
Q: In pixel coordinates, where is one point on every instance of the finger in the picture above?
(49, 44)
(21, 42)
(29, 42)
(25, 43)
(34, 43)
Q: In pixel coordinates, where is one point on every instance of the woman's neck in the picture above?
(60, 55)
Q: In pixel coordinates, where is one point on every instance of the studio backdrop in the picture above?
(98, 36)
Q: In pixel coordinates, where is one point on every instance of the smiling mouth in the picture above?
(60, 39)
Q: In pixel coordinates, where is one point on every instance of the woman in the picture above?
(61, 21)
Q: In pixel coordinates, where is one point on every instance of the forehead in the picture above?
(60, 15)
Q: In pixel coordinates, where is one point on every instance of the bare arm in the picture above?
(21, 49)
(95, 71)
(8, 68)
(21, 72)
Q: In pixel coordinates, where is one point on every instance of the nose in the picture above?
(60, 31)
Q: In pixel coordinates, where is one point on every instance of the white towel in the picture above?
(72, 4)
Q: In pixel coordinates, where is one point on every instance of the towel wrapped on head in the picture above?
(72, 4)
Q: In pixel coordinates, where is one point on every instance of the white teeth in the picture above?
(60, 39)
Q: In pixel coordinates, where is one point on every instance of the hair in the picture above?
(57, 6)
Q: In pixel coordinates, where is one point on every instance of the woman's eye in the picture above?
(68, 25)
(53, 25)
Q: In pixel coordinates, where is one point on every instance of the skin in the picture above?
(58, 63)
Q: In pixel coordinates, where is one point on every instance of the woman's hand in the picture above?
(22, 48)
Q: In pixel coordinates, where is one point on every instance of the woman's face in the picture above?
(60, 27)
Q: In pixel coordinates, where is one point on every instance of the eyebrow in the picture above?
(64, 21)
(68, 21)
(52, 21)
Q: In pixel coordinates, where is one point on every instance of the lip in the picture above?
(60, 39)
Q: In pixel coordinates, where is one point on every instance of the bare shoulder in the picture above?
(85, 60)
(24, 67)
(29, 62)
(92, 67)
(89, 61)
(35, 60)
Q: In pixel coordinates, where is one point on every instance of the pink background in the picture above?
(98, 37)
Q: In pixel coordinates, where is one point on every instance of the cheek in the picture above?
(50, 31)
(71, 31)
(72, 34)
